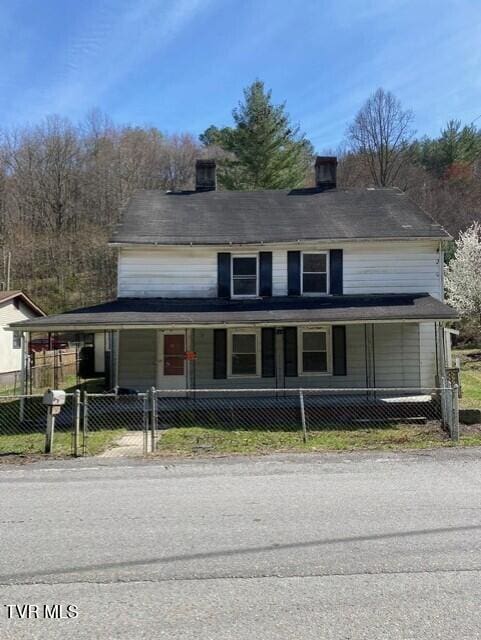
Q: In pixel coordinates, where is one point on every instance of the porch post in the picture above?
(114, 358)
(440, 352)
(190, 364)
(369, 355)
(279, 351)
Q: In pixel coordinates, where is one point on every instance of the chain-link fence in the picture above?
(138, 424)
(11, 383)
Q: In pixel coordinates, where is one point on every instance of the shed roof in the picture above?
(251, 217)
(145, 312)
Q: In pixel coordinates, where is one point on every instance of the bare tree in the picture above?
(380, 135)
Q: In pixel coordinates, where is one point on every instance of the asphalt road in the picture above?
(341, 546)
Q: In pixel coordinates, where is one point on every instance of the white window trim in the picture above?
(243, 255)
(313, 294)
(328, 332)
(231, 333)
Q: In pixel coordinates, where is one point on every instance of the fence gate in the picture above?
(113, 425)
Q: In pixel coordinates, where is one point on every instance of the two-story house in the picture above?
(316, 287)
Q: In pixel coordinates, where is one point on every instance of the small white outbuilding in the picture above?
(14, 307)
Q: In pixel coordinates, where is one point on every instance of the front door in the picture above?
(171, 362)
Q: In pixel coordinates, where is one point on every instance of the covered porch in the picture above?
(336, 342)
(402, 355)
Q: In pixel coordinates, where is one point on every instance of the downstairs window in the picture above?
(244, 358)
(314, 351)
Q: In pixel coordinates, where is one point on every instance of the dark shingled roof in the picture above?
(276, 310)
(219, 217)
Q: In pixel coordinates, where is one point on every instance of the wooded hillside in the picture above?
(61, 190)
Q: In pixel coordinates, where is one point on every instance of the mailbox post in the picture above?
(54, 401)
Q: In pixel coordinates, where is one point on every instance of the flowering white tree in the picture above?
(463, 275)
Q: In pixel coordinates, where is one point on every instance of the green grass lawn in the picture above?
(34, 443)
(470, 377)
(199, 440)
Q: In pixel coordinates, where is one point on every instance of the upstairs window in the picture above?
(244, 276)
(314, 273)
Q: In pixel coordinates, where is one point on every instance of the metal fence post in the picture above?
(153, 417)
(455, 413)
(449, 408)
(146, 422)
(85, 422)
(76, 422)
(444, 405)
(303, 416)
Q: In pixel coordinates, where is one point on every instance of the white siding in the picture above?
(427, 353)
(137, 359)
(10, 358)
(393, 267)
(99, 353)
(369, 267)
(168, 272)
(396, 355)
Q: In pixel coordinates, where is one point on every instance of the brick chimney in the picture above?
(205, 175)
(326, 170)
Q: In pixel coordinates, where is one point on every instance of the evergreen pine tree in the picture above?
(266, 150)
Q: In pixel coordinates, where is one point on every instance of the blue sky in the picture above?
(182, 64)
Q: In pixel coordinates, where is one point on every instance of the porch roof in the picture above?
(131, 313)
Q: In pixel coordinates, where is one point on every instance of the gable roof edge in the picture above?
(11, 295)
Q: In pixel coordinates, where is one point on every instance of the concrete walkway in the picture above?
(129, 445)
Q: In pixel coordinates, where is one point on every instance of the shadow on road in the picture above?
(7, 579)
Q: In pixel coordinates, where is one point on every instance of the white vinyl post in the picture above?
(50, 430)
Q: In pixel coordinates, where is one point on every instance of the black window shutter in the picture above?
(290, 351)
(268, 353)
(339, 367)
(265, 273)
(220, 353)
(335, 272)
(223, 275)
(294, 273)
